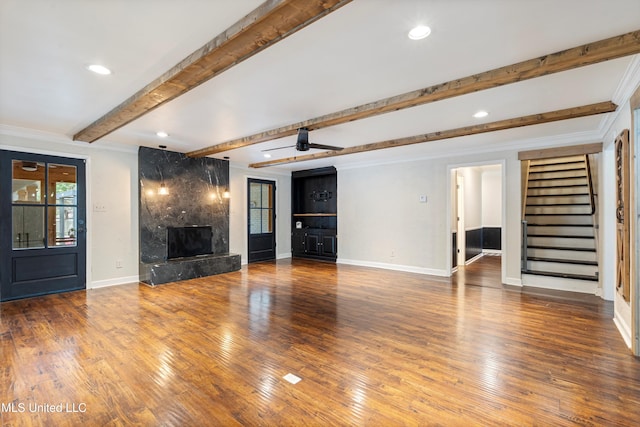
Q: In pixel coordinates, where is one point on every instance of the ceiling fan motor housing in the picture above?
(303, 140)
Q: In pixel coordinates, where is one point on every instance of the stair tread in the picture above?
(561, 236)
(560, 248)
(559, 177)
(562, 275)
(558, 225)
(558, 195)
(558, 214)
(558, 186)
(563, 261)
(557, 204)
(555, 170)
(557, 163)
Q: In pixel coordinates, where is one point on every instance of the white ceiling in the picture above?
(358, 54)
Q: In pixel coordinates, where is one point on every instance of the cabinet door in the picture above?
(312, 243)
(328, 247)
(298, 242)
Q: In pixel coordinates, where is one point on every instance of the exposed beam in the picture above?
(588, 54)
(534, 119)
(263, 27)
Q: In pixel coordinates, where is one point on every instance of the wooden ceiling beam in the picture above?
(588, 54)
(263, 27)
(534, 119)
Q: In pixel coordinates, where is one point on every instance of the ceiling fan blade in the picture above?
(325, 147)
(278, 148)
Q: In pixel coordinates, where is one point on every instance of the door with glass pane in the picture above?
(262, 220)
(42, 233)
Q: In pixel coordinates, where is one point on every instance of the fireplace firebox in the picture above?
(184, 242)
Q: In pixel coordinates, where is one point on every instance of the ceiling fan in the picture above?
(303, 144)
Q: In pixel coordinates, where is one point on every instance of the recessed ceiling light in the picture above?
(162, 134)
(419, 32)
(99, 69)
(267, 155)
(480, 114)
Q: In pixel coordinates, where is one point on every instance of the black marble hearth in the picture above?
(195, 188)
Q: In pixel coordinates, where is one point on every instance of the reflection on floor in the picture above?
(485, 271)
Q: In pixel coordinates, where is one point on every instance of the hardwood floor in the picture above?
(373, 347)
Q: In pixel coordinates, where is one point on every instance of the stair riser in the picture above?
(532, 210)
(551, 200)
(556, 167)
(587, 270)
(558, 191)
(559, 254)
(558, 174)
(554, 182)
(561, 243)
(566, 159)
(559, 219)
(561, 231)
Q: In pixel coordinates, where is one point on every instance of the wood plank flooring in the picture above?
(373, 348)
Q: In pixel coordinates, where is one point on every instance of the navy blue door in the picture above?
(43, 226)
(262, 220)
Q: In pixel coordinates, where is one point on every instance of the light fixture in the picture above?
(480, 114)
(162, 134)
(267, 155)
(29, 166)
(226, 194)
(99, 69)
(163, 191)
(419, 32)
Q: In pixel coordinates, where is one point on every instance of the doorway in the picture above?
(261, 221)
(42, 235)
(477, 211)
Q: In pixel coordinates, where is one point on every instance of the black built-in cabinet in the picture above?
(314, 213)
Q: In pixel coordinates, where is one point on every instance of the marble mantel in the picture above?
(195, 196)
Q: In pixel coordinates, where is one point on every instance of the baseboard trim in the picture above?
(396, 267)
(623, 328)
(113, 282)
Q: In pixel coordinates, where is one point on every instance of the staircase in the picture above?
(559, 237)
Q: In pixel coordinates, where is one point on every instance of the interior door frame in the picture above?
(506, 255)
(88, 197)
(82, 202)
(634, 145)
(274, 185)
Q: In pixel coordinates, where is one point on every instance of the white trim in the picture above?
(501, 147)
(491, 252)
(512, 281)
(103, 144)
(114, 282)
(474, 259)
(395, 267)
(623, 328)
(560, 284)
(628, 83)
(283, 256)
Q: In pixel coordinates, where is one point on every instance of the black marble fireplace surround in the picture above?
(196, 187)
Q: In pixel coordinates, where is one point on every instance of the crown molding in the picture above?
(39, 135)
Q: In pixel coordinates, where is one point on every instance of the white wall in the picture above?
(111, 181)
(381, 222)
(472, 197)
(238, 234)
(492, 196)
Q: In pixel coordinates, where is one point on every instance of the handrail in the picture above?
(526, 188)
(591, 192)
(523, 266)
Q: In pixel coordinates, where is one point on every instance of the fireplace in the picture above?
(183, 234)
(183, 242)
